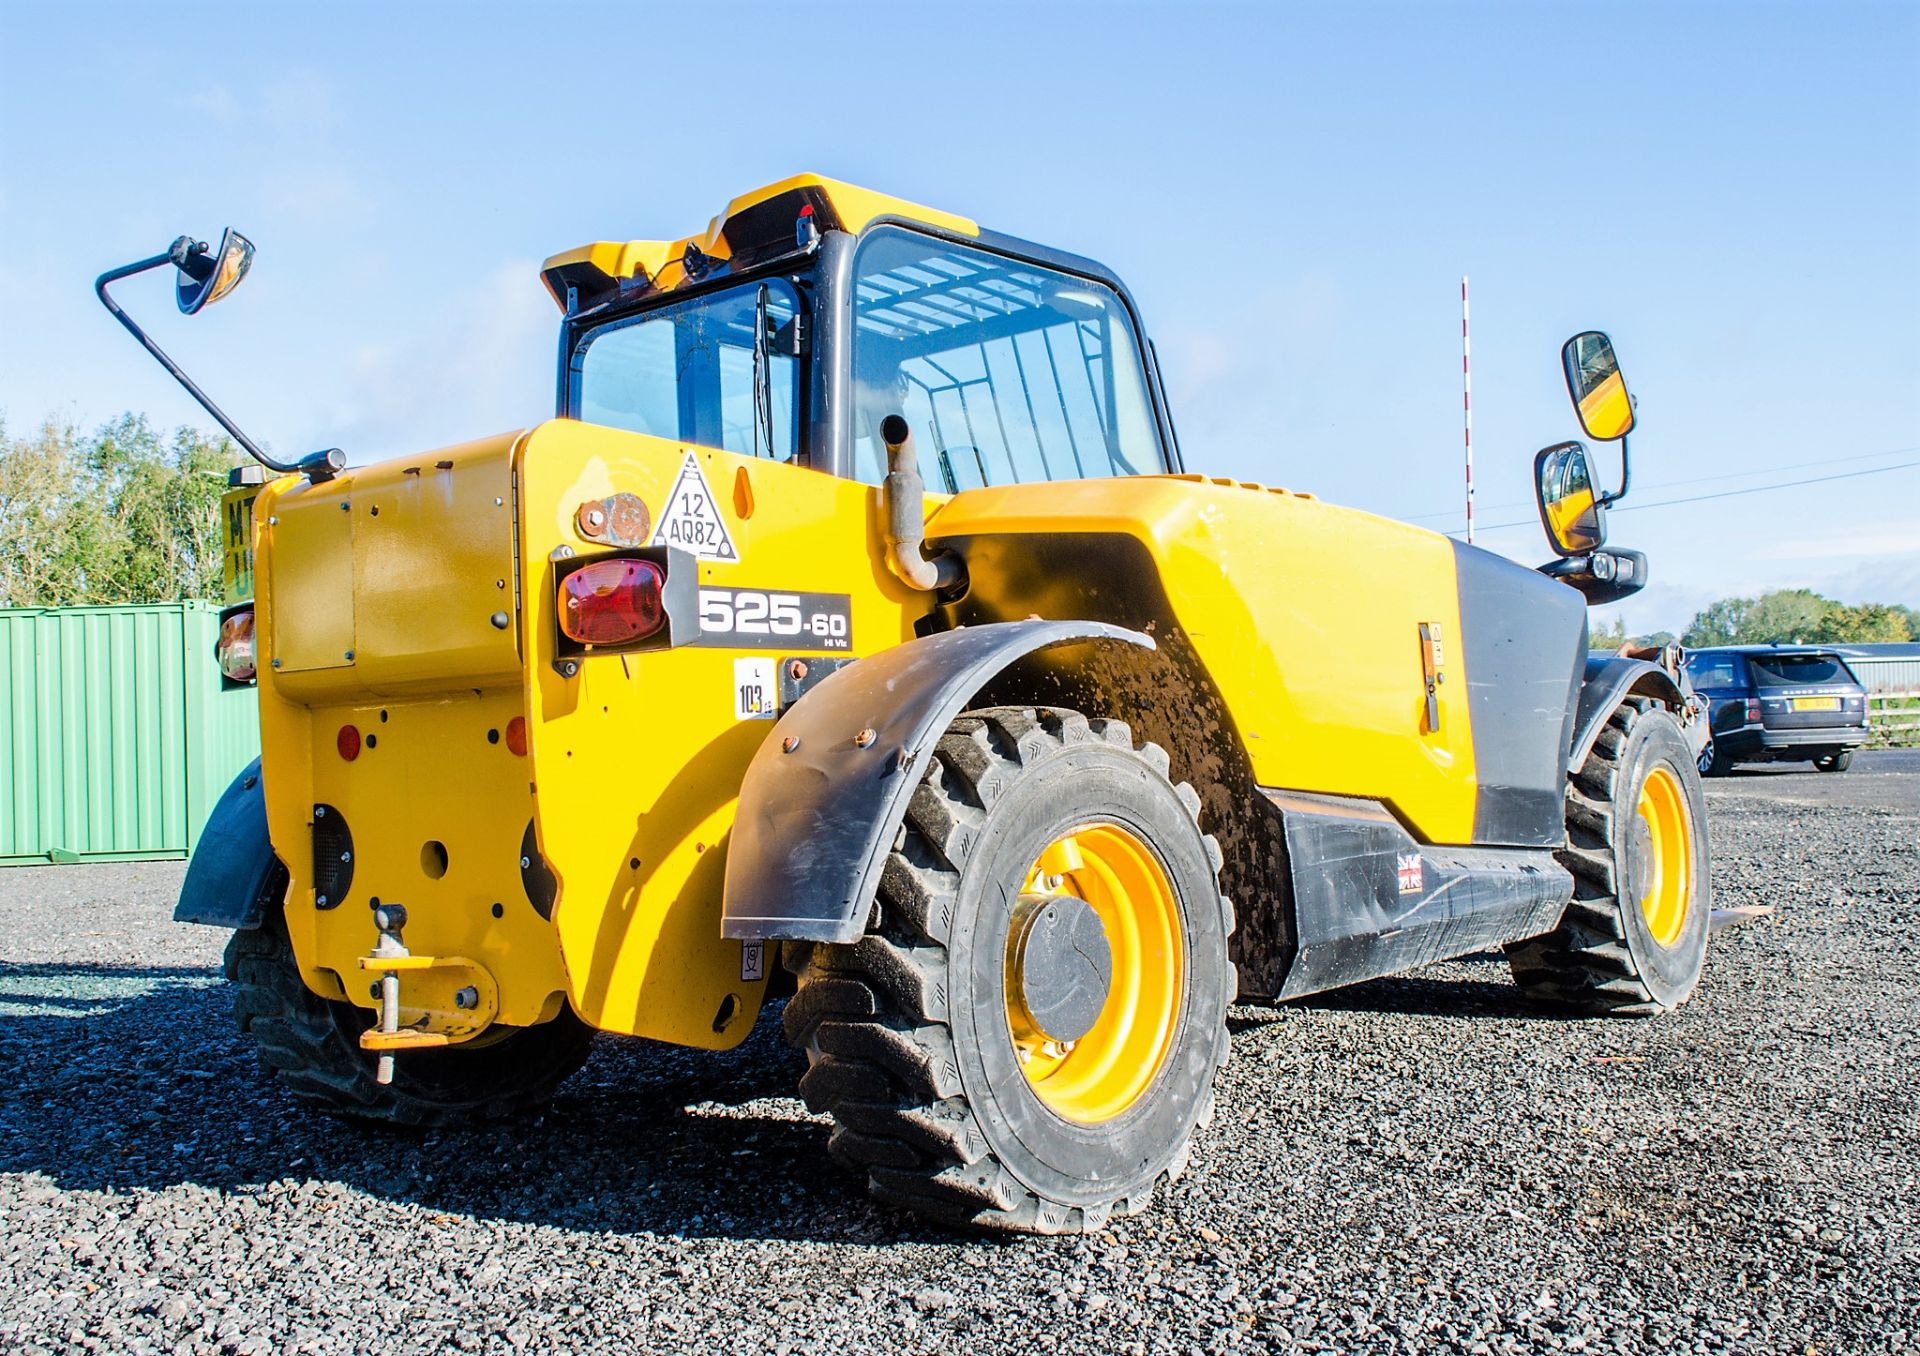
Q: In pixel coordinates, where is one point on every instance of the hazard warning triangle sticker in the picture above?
(692, 520)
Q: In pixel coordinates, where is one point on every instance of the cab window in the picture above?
(1008, 372)
(686, 372)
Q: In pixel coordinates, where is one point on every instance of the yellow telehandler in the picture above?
(856, 632)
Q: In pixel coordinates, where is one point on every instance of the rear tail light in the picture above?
(1753, 710)
(612, 602)
(234, 648)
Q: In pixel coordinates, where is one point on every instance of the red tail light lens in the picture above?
(1753, 710)
(612, 602)
(234, 648)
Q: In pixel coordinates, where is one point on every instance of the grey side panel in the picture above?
(1369, 900)
(231, 877)
(814, 824)
(1609, 680)
(1522, 638)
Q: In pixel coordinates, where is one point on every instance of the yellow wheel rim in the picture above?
(1668, 887)
(1106, 1071)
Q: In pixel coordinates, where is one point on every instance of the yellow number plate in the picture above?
(236, 534)
(1816, 703)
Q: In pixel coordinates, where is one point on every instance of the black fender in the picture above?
(827, 792)
(233, 876)
(1610, 680)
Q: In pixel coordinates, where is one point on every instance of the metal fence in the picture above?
(115, 736)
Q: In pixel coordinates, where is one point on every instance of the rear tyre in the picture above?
(1634, 938)
(1712, 763)
(1027, 1035)
(311, 1045)
(1835, 762)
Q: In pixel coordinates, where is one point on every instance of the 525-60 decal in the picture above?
(759, 619)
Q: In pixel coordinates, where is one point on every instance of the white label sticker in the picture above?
(692, 520)
(753, 960)
(756, 692)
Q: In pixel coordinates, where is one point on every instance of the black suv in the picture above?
(1778, 703)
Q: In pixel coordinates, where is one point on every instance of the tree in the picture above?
(1718, 624)
(1866, 624)
(1611, 636)
(1784, 615)
(121, 516)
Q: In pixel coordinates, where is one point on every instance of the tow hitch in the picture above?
(450, 998)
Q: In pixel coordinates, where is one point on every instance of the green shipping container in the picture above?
(115, 737)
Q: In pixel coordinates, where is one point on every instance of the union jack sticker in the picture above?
(1412, 874)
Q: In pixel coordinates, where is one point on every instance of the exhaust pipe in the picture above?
(905, 498)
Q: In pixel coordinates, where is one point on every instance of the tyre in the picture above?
(1835, 762)
(1027, 1035)
(1634, 938)
(1712, 763)
(312, 1046)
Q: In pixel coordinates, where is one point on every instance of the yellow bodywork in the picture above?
(658, 262)
(1305, 614)
(383, 595)
(378, 612)
(639, 760)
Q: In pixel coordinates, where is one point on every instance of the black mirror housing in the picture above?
(205, 276)
(1572, 510)
(1596, 386)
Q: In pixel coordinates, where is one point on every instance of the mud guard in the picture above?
(828, 790)
(230, 878)
(1611, 680)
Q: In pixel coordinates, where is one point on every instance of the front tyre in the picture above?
(1026, 1038)
(312, 1046)
(1634, 938)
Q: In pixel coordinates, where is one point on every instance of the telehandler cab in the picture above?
(856, 629)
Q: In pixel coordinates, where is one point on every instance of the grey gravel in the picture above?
(1419, 1164)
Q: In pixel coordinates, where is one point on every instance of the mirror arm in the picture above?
(318, 465)
(1626, 476)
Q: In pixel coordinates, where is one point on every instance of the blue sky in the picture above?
(1733, 190)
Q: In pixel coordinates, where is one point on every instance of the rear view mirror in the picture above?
(1598, 390)
(1574, 516)
(205, 279)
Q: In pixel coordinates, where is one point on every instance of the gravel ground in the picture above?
(1417, 1164)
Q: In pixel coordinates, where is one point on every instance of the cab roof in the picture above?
(754, 228)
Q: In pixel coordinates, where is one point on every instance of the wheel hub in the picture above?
(1060, 966)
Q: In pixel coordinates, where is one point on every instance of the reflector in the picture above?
(612, 602)
(347, 742)
(517, 736)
